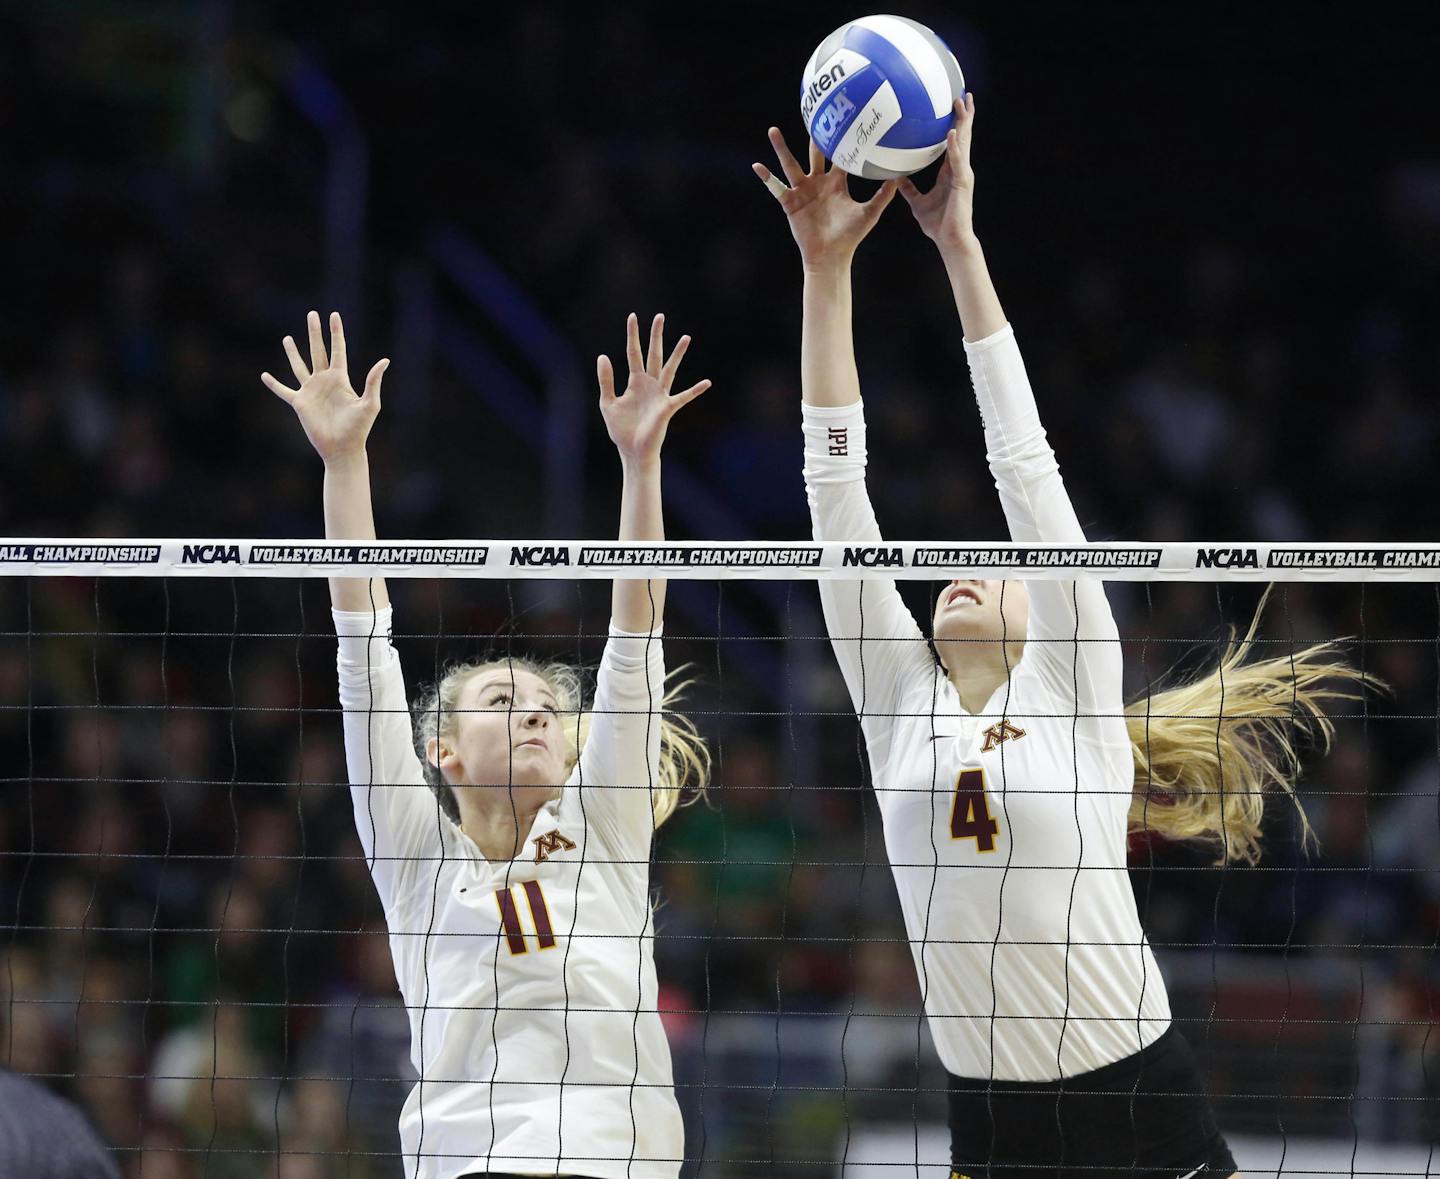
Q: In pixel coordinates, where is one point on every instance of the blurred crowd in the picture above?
(194, 951)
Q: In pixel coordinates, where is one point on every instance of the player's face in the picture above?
(507, 732)
(992, 610)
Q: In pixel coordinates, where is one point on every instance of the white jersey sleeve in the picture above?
(878, 644)
(620, 763)
(1072, 632)
(396, 815)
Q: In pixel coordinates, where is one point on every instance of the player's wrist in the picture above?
(640, 465)
(350, 459)
(959, 246)
(829, 264)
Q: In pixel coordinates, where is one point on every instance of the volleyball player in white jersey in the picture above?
(517, 894)
(1008, 775)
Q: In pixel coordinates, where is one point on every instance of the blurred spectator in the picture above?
(363, 1034)
(45, 1137)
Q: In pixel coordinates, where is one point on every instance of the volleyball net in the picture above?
(195, 951)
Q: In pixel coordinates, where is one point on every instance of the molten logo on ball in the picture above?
(816, 90)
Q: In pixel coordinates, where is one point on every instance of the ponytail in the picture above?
(1209, 750)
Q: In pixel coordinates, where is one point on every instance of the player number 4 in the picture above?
(970, 816)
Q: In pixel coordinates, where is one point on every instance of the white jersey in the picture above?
(529, 983)
(1006, 829)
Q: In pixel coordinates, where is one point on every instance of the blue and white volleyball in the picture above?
(878, 96)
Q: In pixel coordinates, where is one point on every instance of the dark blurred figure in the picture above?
(45, 1137)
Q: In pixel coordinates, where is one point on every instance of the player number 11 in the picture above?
(511, 925)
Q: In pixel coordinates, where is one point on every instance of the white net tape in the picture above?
(706, 560)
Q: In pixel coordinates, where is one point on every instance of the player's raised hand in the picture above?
(828, 224)
(336, 419)
(638, 417)
(946, 212)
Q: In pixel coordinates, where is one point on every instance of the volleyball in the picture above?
(878, 96)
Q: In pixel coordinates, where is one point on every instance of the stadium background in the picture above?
(1218, 235)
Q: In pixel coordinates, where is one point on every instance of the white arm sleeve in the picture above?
(1038, 510)
(396, 815)
(620, 763)
(877, 642)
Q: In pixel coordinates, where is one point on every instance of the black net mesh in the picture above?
(196, 953)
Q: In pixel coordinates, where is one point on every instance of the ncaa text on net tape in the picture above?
(733, 560)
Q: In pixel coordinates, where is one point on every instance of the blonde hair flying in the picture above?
(1208, 750)
(684, 756)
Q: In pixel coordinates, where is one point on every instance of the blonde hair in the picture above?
(1208, 750)
(684, 756)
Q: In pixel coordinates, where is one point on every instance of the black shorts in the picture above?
(1144, 1117)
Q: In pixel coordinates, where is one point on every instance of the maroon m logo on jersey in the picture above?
(550, 843)
(999, 734)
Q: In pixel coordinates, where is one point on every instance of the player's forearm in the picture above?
(828, 375)
(349, 515)
(635, 605)
(975, 299)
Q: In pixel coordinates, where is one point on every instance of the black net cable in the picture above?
(1294, 888)
(219, 980)
(80, 983)
(1074, 591)
(166, 851)
(1365, 887)
(29, 857)
(1149, 848)
(862, 772)
(1435, 943)
(789, 797)
(299, 878)
(1225, 838)
(719, 744)
(575, 917)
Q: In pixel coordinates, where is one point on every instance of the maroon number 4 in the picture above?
(970, 817)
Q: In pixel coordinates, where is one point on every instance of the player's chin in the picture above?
(548, 771)
(526, 776)
(966, 623)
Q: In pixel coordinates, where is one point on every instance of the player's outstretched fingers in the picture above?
(318, 359)
(689, 395)
(656, 357)
(284, 392)
(667, 374)
(632, 345)
(337, 343)
(817, 159)
(965, 124)
(778, 188)
(955, 156)
(882, 196)
(372, 381)
(788, 163)
(297, 365)
(605, 374)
